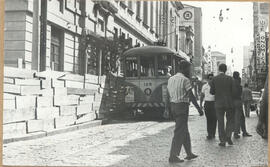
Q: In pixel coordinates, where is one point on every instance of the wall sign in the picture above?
(148, 91)
(187, 15)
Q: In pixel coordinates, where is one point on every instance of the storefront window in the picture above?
(131, 67)
(147, 66)
(164, 65)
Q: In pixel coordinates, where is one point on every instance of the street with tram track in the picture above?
(124, 143)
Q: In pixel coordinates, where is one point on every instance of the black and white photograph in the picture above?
(135, 83)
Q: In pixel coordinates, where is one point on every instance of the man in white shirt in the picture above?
(180, 94)
(209, 108)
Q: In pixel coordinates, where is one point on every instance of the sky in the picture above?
(235, 31)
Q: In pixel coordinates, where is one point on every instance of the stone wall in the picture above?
(49, 100)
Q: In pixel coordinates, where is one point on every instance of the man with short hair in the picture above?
(221, 87)
(209, 108)
(247, 99)
(180, 93)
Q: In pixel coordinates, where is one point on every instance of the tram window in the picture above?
(164, 65)
(147, 66)
(131, 67)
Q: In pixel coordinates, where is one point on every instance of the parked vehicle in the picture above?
(146, 73)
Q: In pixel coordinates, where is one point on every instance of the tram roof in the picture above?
(152, 51)
(149, 51)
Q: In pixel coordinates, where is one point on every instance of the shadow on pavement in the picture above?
(149, 150)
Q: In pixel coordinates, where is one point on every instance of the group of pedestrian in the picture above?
(222, 95)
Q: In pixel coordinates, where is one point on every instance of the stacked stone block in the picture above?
(49, 100)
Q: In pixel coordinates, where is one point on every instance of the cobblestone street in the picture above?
(130, 143)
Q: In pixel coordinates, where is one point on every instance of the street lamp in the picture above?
(220, 16)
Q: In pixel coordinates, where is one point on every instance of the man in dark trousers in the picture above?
(221, 87)
(180, 94)
(209, 108)
(247, 99)
(262, 126)
(239, 118)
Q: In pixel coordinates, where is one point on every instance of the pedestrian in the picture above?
(247, 99)
(262, 126)
(200, 84)
(167, 71)
(180, 94)
(209, 108)
(221, 87)
(239, 117)
(195, 82)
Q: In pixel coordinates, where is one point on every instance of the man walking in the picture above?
(247, 99)
(238, 107)
(262, 126)
(180, 93)
(221, 87)
(209, 108)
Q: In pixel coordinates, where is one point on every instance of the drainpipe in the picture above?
(43, 35)
(35, 37)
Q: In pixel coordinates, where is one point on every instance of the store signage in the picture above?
(262, 47)
(260, 42)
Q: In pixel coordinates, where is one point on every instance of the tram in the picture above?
(146, 73)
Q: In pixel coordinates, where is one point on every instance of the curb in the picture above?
(41, 134)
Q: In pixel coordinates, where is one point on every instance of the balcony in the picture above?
(109, 5)
(130, 12)
(123, 4)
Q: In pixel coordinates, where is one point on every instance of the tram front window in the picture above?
(131, 67)
(164, 65)
(147, 66)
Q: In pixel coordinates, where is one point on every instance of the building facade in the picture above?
(192, 17)
(261, 37)
(80, 36)
(208, 66)
(217, 58)
(246, 71)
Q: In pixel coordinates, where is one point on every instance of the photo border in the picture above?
(2, 13)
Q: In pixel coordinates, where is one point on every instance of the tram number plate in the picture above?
(146, 84)
(129, 94)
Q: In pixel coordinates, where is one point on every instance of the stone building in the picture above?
(54, 34)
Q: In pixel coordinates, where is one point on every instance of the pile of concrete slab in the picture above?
(45, 101)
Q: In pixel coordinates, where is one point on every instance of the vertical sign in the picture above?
(257, 42)
(262, 51)
(261, 44)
